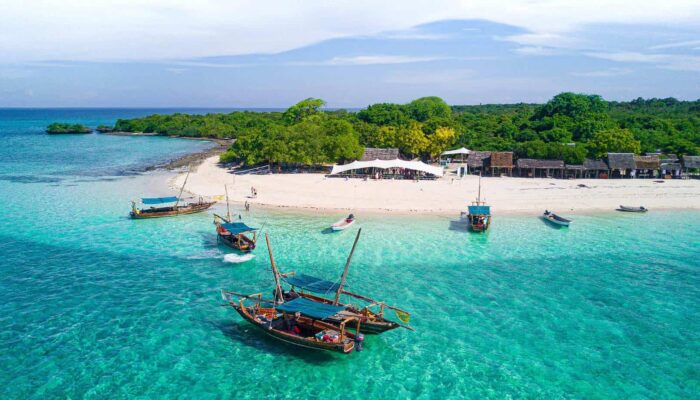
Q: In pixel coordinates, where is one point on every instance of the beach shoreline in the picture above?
(316, 193)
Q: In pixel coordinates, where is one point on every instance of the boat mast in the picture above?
(278, 288)
(478, 196)
(182, 188)
(228, 208)
(345, 271)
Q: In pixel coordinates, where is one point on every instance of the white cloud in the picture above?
(93, 30)
(535, 51)
(378, 59)
(667, 61)
(604, 73)
(688, 43)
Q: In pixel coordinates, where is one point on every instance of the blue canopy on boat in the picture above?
(158, 200)
(237, 227)
(310, 308)
(311, 283)
(479, 210)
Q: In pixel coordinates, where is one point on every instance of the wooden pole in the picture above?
(345, 271)
(182, 188)
(228, 208)
(275, 272)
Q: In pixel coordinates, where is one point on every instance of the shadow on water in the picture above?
(248, 335)
(458, 225)
(328, 231)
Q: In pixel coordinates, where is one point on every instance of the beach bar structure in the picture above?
(691, 165)
(501, 163)
(457, 155)
(595, 169)
(533, 168)
(621, 165)
(646, 166)
(477, 162)
(388, 169)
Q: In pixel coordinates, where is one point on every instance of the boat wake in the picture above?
(238, 258)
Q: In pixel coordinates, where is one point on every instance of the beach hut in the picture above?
(691, 165)
(595, 168)
(646, 166)
(373, 153)
(574, 171)
(477, 162)
(621, 165)
(532, 168)
(500, 162)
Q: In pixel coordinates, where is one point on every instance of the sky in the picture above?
(228, 53)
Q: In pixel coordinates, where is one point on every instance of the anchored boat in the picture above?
(639, 209)
(168, 211)
(235, 235)
(478, 215)
(555, 219)
(344, 223)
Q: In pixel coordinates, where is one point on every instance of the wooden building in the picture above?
(621, 165)
(373, 153)
(477, 162)
(501, 162)
(595, 169)
(691, 165)
(532, 168)
(646, 166)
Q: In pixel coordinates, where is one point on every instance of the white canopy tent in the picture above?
(385, 164)
(463, 150)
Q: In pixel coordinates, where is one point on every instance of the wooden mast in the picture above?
(278, 288)
(228, 208)
(345, 271)
(182, 189)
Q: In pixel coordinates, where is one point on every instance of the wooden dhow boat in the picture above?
(168, 211)
(373, 322)
(555, 219)
(298, 322)
(640, 209)
(478, 215)
(235, 235)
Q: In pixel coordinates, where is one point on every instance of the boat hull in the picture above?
(191, 208)
(239, 242)
(632, 209)
(343, 347)
(342, 225)
(556, 220)
(372, 324)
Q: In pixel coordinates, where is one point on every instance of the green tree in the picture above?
(303, 109)
(429, 107)
(615, 140)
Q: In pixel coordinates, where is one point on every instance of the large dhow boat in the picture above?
(168, 211)
(313, 288)
(234, 234)
(478, 215)
(300, 321)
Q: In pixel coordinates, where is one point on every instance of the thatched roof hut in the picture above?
(373, 153)
(478, 159)
(501, 159)
(646, 162)
(621, 161)
(691, 161)
(531, 163)
(595, 165)
(671, 166)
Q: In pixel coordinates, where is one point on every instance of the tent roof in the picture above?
(311, 283)
(462, 150)
(310, 308)
(158, 200)
(384, 164)
(237, 227)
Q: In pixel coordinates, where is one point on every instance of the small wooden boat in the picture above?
(372, 322)
(235, 234)
(639, 209)
(555, 219)
(343, 223)
(478, 215)
(298, 322)
(168, 211)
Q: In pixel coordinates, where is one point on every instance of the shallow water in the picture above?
(96, 305)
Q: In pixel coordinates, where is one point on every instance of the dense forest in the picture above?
(570, 127)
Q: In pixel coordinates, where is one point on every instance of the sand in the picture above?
(444, 196)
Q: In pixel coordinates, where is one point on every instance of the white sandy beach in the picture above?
(444, 196)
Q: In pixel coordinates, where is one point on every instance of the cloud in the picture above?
(687, 43)
(535, 51)
(109, 30)
(666, 61)
(378, 59)
(604, 73)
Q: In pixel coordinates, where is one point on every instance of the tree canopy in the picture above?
(569, 127)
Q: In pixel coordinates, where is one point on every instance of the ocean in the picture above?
(95, 305)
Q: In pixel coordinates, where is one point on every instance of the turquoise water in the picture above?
(98, 306)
